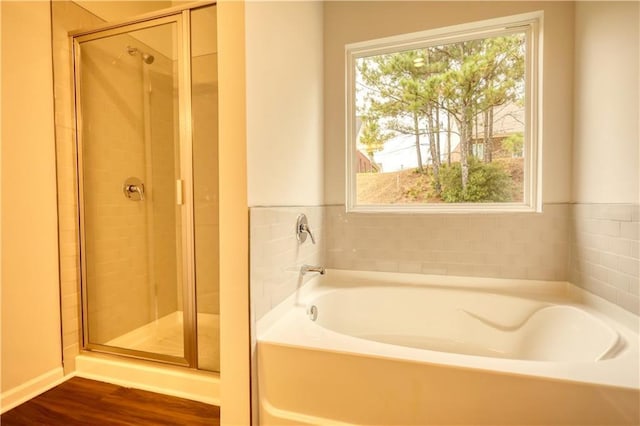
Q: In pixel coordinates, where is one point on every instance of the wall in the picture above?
(605, 236)
(112, 12)
(529, 246)
(606, 156)
(234, 237)
(498, 245)
(284, 112)
(67, 16)
(284, 143)
(31, 349)
(285, 163)
(348, 22)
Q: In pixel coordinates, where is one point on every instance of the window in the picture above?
(445, 120)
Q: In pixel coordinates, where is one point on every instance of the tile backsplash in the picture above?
(525, 245)
(595, 246)
(276, 255)
(605, 256)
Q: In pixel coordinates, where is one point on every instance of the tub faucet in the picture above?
(308, 268)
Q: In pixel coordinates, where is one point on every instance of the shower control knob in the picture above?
(133, 189)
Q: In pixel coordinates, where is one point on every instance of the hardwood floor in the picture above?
(87, 402)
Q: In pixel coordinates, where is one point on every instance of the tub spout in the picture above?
(308, 268)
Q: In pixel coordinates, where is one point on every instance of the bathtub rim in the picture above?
(285, 324)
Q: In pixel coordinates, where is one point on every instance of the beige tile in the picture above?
(619, 280)
(616, 212)
(629, 302)
(630, 266)
(610, 228)
(630, 230)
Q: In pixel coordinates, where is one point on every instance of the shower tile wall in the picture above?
(531, 246)
(605, 246)
(67, 16)
(276, 255)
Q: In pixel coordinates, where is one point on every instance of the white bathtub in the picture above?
(400, 349)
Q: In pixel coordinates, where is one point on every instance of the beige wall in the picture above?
(607, 114)
(234, 226)
(284, 103)
(116, 11)
(30, 292)
(67, 16)
(347, 22)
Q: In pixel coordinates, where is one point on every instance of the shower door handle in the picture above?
(133, 189)
(179, 196)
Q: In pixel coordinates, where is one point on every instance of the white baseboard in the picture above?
(34, 387)
(175, 381)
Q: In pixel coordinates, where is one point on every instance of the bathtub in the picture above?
(356, 347)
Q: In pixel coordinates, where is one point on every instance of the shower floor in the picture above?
(165, 336)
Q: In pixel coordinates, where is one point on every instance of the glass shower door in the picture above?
(134, 218)
(204, 110)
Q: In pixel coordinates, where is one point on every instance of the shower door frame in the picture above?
(181, 16)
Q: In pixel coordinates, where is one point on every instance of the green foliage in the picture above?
(407, 91)
(514, 144)
(372, 136)
(488, 182)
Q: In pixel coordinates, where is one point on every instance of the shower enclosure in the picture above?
(146, 127)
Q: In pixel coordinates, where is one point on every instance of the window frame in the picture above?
(531, 25)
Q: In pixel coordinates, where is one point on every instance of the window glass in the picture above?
(443, 121)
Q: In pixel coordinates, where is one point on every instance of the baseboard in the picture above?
(175, 381)
(28, 390)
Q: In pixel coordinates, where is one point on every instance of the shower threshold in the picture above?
(165, 336)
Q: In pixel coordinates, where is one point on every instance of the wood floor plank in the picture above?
(80, 401)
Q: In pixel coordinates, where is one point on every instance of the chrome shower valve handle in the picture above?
(302, 229)
(133, 189)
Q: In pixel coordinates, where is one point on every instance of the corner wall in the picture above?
(605, 236)
(31, 349)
